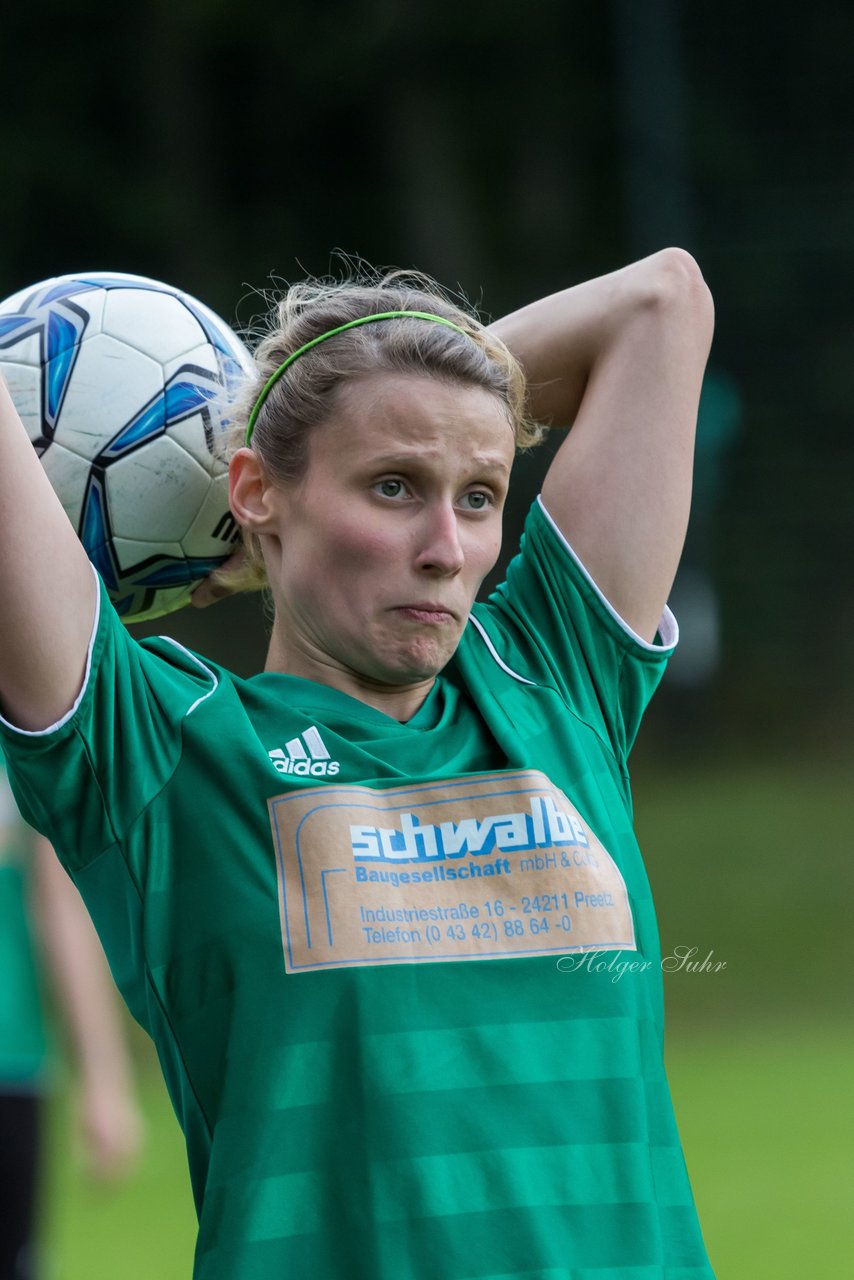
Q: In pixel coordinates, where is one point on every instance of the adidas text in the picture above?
(313, 768)
(305, 756)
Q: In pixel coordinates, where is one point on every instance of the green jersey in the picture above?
(403, 979)
(22, 1040)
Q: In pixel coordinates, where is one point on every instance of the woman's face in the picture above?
(382, 545)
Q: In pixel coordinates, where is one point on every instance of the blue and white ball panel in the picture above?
(69, 475)
(171, 330)
(24, 380)
(118, 396)
(161, 490)
(214, 523)
(130, 552)
(192, 434)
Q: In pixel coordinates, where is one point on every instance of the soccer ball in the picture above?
(123, 385)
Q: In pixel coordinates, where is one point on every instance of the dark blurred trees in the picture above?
(217, 144)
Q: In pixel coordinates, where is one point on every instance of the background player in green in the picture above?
(43, 920)
(479, 1113)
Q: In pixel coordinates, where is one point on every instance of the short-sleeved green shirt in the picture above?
(404, 979)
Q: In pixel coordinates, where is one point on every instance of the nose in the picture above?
(439, 550)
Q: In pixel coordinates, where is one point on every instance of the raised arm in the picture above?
(47, 588)
(620, 360)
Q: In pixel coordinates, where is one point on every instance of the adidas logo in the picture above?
(305, 755)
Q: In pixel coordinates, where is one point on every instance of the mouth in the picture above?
(426, 613)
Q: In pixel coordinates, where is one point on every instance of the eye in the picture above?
(390, 488)
(477, 500)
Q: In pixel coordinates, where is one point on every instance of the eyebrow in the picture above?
(479, 461)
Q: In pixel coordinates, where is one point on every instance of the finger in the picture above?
(209, 592)
(219, 584)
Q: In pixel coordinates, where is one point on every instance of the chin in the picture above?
(397, 661)
(423, 664)
(428, 666)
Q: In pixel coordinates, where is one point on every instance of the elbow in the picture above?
(680, 274)
(676, 288)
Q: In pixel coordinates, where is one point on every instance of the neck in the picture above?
(400, 702)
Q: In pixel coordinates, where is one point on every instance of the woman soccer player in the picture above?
(380, 906)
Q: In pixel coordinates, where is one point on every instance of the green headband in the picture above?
(352, 324)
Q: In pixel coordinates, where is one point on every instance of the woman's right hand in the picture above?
(221, 583)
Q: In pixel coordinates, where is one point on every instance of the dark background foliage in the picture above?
(509, 152)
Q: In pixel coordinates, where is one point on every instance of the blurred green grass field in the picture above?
(751, 863)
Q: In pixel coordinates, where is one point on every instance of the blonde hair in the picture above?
(305, 395)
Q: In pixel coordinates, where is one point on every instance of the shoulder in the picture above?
(549, 625)
(547, 582)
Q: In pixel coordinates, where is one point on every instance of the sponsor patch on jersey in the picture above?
(481, 868)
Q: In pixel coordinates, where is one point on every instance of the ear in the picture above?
(250, 493)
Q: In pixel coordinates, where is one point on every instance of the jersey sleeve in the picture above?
(552, 621)
(84, 780)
